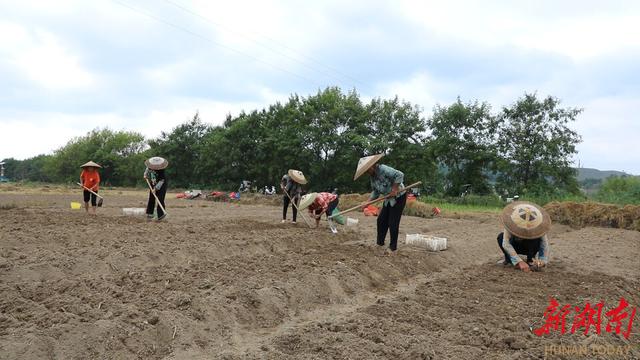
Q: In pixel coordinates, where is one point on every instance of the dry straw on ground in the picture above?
(595, 214)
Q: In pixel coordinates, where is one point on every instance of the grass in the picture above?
(462, 208)
(423, 207)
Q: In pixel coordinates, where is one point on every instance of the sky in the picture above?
(70, 66)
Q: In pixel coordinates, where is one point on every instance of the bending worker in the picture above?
(318, 204)
(385, 180)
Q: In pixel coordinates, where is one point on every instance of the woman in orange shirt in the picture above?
(90, 179)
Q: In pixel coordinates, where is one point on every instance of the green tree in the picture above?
(398, 129)
(120, 153)
(183, 148)
(37, 168)
(323, 135)
(464, 141)
(536, 146)
(620, 190)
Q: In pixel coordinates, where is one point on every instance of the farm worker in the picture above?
(318, 204)
(385, 180)
(155, 174)
(525, 228)
(291, 185)
(90, 179)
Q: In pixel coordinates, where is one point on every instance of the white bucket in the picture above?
(431, 243)
(134, 211)
(352, 221)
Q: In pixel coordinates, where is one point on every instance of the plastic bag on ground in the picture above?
(339, 219)
(371, 210)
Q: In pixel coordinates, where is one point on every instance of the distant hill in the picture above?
(588, 173)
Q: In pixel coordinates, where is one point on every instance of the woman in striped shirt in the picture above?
(319, 203)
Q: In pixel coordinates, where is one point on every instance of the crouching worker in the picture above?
(318, 204)
(525, 232)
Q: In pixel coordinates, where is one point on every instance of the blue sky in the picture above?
(69, 66)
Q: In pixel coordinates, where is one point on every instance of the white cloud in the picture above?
(167, 75)
(48, 131)
(140, 74)
(420, 89)
(41, 57)
(610, 134)
(557, 27)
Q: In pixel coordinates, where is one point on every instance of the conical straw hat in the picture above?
(307, 200)
(156, 163)
(526, 220)
(90, 164)
(365, 163)
(297, 176)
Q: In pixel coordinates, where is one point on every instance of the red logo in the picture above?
(619, 319)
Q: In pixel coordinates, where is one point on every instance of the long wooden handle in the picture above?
(375, 201)
(155, 196)
(91, 191)
(298, 210)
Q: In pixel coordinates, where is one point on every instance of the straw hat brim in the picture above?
(157, 166)
(90, 164)
(307, 200)
(526, 220)
(365, 163)
(297, 176)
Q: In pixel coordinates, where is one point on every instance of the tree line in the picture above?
(525, 147)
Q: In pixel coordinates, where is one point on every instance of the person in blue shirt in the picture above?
(385, 180)
(525, 233)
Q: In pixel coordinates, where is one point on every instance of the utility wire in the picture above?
(154, 17)
(254, 40)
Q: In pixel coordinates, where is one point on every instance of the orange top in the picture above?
(90, 179)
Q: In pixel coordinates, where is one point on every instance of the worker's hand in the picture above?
(153, 190)
(95, 188)
(523, 266)
(536, 264)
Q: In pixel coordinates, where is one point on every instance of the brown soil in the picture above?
(229, 281)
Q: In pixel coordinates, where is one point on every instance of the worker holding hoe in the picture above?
(525, 231)
(90, 181)
(291, 185)
(154, 175)
(318, 204)
(385, 180)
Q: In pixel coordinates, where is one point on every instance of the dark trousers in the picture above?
(294, 209)
(529, 247)
(86, 194)
(389, 219)
(332, 206)
(152, 201)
